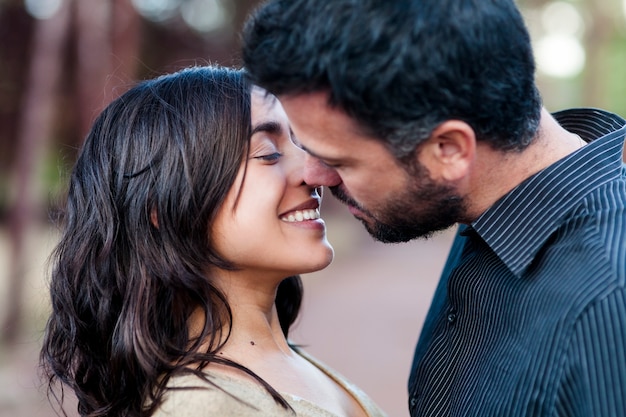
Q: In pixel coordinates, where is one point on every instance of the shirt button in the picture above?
(413, 402)
(451, 316)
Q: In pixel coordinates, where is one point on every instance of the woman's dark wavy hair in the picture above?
(123, 282)
(402, 67)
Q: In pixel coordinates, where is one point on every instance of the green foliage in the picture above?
(615, 67)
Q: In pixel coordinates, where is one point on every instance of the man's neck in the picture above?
(497, 172)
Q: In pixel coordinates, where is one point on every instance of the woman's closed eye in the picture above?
(272, 157)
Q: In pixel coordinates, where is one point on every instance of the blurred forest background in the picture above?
(62, 61)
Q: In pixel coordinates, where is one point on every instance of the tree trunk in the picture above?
(35, 128)
(125, 48)
(93, 59)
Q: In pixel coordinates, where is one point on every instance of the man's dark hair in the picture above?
(402, 67)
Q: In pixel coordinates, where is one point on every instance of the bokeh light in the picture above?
(42, 9)
(559, 51)
(562, 18)
(205, 15)
(156, 10)
(560, 56)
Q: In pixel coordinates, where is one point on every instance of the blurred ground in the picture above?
(361, 315)
(20, 393)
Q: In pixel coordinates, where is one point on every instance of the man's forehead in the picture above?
(310, 114)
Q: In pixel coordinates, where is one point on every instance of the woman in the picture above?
(175, 280)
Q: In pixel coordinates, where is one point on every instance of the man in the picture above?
(420, 114)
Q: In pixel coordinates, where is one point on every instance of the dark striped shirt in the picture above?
(529, 318)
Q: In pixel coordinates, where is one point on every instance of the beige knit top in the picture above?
(243, 398)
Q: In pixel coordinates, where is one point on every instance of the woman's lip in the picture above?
(313, 224)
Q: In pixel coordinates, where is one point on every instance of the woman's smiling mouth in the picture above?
(301, 215)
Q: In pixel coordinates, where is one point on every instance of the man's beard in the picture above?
(423, 209)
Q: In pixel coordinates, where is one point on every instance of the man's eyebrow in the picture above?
(294, 139)
(269, 126)
(313, 154)
(296, 142)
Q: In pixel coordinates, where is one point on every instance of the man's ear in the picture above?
(449, 152)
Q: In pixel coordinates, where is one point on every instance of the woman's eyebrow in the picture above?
(269, 126)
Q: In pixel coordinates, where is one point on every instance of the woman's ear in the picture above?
(154, 218)
(449, 151)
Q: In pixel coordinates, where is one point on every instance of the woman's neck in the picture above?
(256, 330)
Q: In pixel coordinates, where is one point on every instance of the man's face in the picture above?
(396, 203)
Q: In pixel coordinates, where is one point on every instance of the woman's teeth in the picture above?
(301, 215)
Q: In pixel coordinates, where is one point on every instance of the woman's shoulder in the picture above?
(365, 401)
(216, 395)
(223, 394)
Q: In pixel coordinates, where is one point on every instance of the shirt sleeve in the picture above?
(594, 377)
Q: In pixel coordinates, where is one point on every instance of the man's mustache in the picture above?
(343, 196)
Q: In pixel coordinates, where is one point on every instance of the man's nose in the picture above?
(317, 173)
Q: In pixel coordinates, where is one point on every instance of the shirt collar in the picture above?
(518, 224)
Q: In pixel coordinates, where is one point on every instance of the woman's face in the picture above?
(270, 223)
